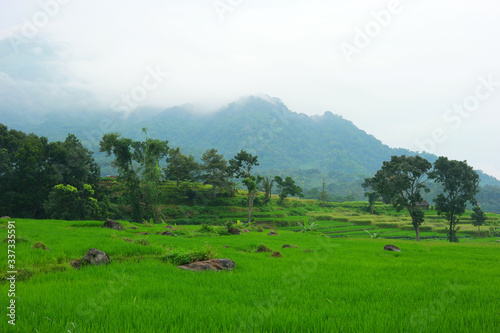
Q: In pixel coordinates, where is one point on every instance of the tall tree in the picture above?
(323, 194)
(181, 167)
(287, 187)
(251, 184)
(242, 164)
(460, 185)
(137, 160)
(478, 218)
(154, 151)
(215, 171)
(267, 184)
(401, 179)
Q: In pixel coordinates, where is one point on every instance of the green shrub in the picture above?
(184, 257)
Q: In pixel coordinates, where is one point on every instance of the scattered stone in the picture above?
(210, 265)
(127, 240)
(260, 230)
(226, 246)
(5, 217)
(40, 245)
(234, 231)
(144, 233)
(76, 264)
(392, 248)
(272, 233)
(285, 246)
(263, 248)
(112, 224)
(307, 251)
(276, 254)
(133, 227)
(96, 257)
(167, 233)
(245, 230)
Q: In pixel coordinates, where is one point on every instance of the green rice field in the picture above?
(322, 283)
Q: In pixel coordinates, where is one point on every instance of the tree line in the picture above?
(61, 180)
(401, 180)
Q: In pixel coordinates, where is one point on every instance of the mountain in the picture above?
(310, 148)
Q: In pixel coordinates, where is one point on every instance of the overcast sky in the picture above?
(416, 74)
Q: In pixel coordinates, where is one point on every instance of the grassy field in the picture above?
(321, 284)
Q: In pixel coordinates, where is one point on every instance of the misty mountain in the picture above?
(311, 148)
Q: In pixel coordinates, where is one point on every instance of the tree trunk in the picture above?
(451, 229)
(478, 231)
(417, 231)
(251, 196)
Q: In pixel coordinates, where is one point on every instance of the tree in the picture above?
(251, 185)
(137, 161)
(372, 198)
(287, 187)
(478, 218)
(401, 179)
(323, 195)
(66, 202)
(460, 185)
(154, 151)
(215, 171)
(241, 165)
(267, 184)
(181, 167)
(30, 166)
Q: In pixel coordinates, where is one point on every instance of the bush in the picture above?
(183, 257)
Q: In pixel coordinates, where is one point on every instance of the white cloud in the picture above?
(396, 88)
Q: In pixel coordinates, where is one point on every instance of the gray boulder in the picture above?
(210, 265)
(96, 257)
(234, 231)
(112, 224)
(392, 248)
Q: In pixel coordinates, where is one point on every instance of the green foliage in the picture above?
(307, 226)
(215, 172)
(460, 185)
(287, 187)
(181, 167)
(30, 167)
(141, 182)
(402, 179)
(184, 257)
(241, 165)
(478, 218)
(66, 202)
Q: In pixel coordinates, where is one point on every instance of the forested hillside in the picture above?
(309, 148)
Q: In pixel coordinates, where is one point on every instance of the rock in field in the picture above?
(285, 246)
(392, 248)
(272, 233)
(210, 265)
(245, 230)
(234, 231)
(167, 233)
(96, 257)
(276, 254)
(112, 224)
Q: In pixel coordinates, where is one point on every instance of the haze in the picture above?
(416, 74)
